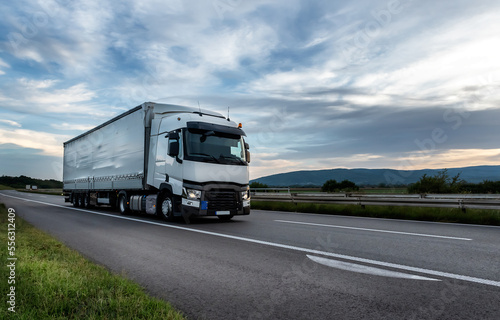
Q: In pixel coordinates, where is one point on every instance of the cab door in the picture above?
(173, 161)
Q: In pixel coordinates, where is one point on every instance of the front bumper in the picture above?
(216, 200)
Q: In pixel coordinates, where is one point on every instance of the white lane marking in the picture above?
(284, 246)
(373, 230)
(366, 269)
(379, 219)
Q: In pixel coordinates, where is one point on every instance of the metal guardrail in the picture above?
(270, 189)
(460, 201)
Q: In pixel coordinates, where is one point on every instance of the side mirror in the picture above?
(247, 146)
(173, 148)
(173, 135)
(247, 155)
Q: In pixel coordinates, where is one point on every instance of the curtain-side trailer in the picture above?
(161, 159)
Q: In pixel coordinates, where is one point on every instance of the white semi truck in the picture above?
(161, 159)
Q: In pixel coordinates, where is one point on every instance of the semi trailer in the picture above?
(161, 159)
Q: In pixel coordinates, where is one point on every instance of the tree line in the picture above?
(22, 181)
(334, 186)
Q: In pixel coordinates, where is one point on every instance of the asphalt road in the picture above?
(275, 265)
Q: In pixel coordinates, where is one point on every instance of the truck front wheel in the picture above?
(165, 207)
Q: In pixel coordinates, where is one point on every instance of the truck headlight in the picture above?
(192, 194)
(245, 195)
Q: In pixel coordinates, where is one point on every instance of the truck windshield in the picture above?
(215, 147)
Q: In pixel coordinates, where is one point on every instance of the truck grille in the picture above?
(222, 200)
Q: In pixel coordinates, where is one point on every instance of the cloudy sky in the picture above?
(317, 84)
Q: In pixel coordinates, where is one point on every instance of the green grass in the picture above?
(471, 216)
(55, 282)
(2, 187)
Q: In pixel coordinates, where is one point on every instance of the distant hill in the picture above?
(374, 177)
(23, 181)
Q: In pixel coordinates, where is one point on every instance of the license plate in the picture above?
(222, 213)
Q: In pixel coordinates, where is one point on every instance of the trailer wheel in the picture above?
(165, 207)
(85, 201)
(80, 201)
(76, 202)
(123, 205)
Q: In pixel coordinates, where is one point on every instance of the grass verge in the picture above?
(55, 282)
(471, 216)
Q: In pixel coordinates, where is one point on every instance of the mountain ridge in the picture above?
(374, 177)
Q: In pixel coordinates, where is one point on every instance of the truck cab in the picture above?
(200, 166)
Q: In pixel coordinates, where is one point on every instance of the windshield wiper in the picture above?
(206, 155)
(232, 157)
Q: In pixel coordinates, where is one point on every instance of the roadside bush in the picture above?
(440, 183)
(334, 186)
(256, 184)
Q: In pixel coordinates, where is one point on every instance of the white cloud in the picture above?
(260, 168)
(438, 64)
(11, 123)
(3, 64)
(30, 84)
(365, 160)
(431, 68)
(27, 53)
(50, 144)
(68, 126)
(453, 158)
(44, 96)
(153, 7)
(63, 97)
(71, 39)
(225, 49)
(295, 84)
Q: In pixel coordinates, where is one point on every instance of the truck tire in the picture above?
(123, 205)
(85, 201)
(165, 207)
(76, 202)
